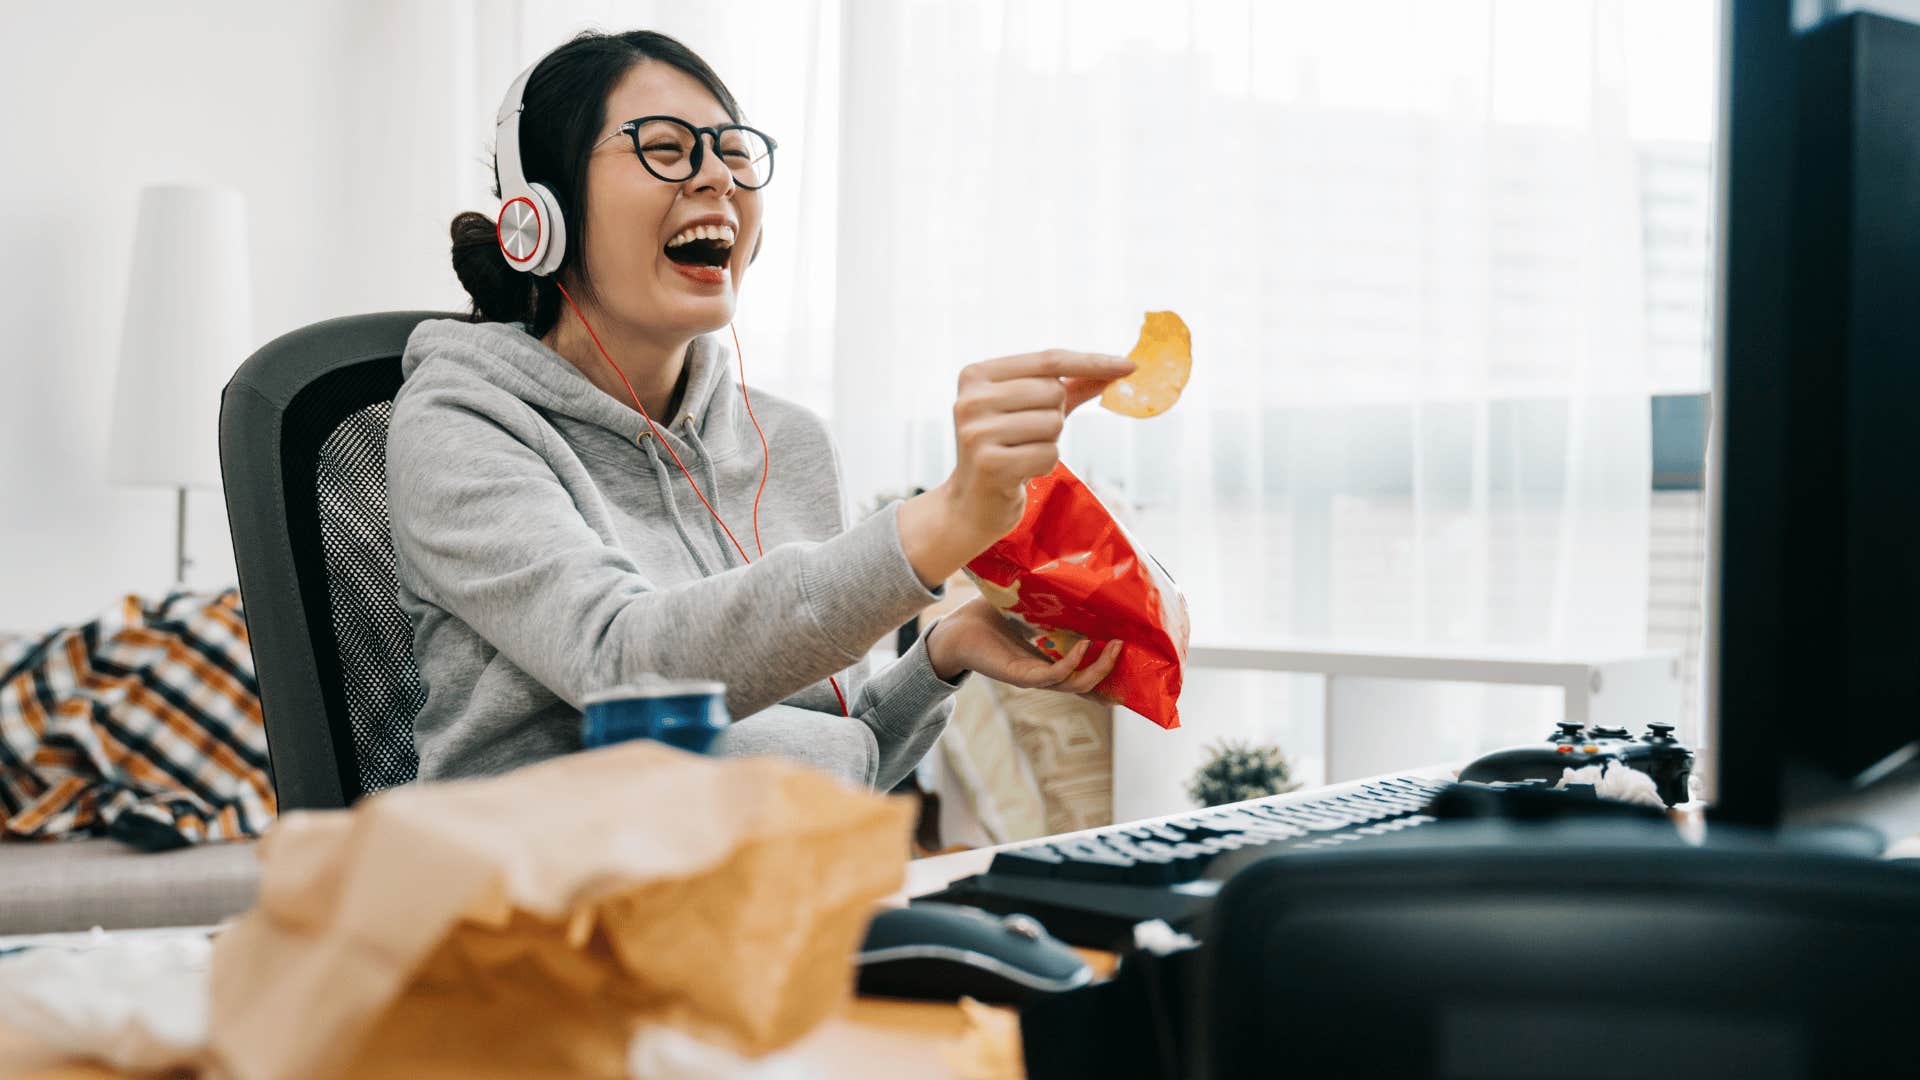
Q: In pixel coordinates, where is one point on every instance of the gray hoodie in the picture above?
(548, 548)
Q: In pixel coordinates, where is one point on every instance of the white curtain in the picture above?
(1408, 236)
(1409, 240)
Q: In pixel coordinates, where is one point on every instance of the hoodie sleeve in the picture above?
(907, 705)
(485, 530)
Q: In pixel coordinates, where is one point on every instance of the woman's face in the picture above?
(632, 215)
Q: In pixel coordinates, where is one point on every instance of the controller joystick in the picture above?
(1658, 754)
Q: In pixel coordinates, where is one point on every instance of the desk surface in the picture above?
(878, 1039)
(872, 1038)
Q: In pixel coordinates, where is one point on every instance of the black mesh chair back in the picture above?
(303, 452)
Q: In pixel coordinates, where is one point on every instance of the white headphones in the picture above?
(530, 228)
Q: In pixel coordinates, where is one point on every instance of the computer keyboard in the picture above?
(1091, 888)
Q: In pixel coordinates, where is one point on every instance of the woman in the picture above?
(555, 539)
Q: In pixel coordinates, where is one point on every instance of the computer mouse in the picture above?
(942, 952)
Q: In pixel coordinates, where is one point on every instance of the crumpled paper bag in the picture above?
(989, 1047)
(529, 924)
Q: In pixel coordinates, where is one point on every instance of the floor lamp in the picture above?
(188, 324)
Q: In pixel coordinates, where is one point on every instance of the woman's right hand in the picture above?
(1007, 419)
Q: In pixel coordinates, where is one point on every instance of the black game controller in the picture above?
(1657, 753)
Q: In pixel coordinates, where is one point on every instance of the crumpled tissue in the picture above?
(1613, 780)
(135, 1003)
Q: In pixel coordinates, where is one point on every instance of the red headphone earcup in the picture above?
(519, 229)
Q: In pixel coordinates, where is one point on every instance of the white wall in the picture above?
(282, 101)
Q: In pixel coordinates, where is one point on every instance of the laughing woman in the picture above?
(579, 490)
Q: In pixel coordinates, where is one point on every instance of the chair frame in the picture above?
(277, 546)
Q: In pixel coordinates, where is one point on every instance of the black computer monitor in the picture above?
(1816, 695)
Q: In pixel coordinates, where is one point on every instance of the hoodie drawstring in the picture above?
(664, 479)
(713, 484)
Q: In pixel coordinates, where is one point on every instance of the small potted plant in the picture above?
(1239, 771)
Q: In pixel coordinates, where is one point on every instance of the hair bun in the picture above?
(500, 293)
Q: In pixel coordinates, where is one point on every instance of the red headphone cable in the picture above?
(766, 459)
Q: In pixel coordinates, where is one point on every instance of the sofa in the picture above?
(53, 886)
(67, 885)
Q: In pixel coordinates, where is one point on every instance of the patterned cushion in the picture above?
(143, 724)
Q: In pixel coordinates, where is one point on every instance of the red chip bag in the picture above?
(1069, 571)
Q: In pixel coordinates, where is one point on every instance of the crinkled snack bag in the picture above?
(1069, 571)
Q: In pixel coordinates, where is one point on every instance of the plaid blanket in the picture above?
(143, 724)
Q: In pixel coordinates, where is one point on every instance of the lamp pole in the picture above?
(180, 560)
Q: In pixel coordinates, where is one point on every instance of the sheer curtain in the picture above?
(1407, 235)
(1408, 240)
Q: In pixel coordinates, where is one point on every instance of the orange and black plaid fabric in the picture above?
(143, 724)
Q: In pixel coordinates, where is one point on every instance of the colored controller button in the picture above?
(1563, 749)
(1591, 749)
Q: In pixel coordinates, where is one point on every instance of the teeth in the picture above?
(723, 234)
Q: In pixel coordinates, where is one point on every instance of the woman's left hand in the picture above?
(976, 637)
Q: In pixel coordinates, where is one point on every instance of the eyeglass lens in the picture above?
(666, 147)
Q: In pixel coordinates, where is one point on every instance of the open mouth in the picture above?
(707, 246)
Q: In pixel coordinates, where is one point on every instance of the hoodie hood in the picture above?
(506, 355)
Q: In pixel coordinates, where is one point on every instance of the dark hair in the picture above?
(565, 107)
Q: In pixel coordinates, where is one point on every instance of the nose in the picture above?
(713, 174)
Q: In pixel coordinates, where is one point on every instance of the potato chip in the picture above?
(1163, 358)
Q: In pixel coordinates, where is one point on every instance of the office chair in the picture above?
(303, 448)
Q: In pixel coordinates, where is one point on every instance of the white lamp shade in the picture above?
(188, 325)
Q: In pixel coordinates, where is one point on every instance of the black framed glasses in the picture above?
(673, 150)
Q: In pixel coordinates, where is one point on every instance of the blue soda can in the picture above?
(686, 713)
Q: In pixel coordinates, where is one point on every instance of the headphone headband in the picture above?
(506, 133)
